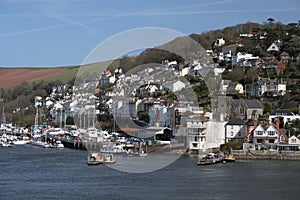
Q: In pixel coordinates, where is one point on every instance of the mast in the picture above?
(36, 120)
(3, 116)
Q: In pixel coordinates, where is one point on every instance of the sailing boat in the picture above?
(36, 135)
(5, 140)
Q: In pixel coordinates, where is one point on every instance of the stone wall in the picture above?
(268, 155)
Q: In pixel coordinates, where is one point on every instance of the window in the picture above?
(241, 110)
(259, 132)
(271, 141)
(259, 140)
(282, 138)
(271, 133)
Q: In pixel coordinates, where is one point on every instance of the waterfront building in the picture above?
(295, 141)
(235, 129)
(196, 131)
(268, 136)
(284, 116)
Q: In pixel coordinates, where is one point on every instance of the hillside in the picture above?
(18, 87)
(10, 78)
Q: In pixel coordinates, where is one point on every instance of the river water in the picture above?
(30, 172)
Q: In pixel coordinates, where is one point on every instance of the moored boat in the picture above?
(210, 159)
(229, 158)
(59, 144)
(95, 159)
(110, 159)
(7, 144)
(20, 142)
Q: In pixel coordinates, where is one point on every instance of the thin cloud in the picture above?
(217, 12)
(146, 12)
(34, 30)
(67, 21)
(184, 10)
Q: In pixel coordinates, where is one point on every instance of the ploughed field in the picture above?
(14, 77)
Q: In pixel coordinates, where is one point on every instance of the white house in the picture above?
(196, 131)
(235, 129)
(294, 140)
(49, 103)
(274, 47)
(268, 136)
(171, 63)
(283, 115)
(218, 71)
(244, 60)
(175, 86)
(229, 87)
(112, 79)
(268, 87)
(151, 88)
(184, 71)
(219, 42)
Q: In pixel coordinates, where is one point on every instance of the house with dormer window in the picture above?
(295, 140)
(268, 136)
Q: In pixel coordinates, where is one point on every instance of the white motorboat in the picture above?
(7, 144)
(59, 145)
(20, 142)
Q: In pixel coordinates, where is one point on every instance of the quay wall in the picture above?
(73, 144)
(266, 155)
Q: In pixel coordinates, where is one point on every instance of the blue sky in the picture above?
(40, 33)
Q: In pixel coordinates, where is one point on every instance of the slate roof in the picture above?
(282, 112)
(236, 122)
(250, 122)
(252, 103)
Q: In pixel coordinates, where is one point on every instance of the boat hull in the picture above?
(229, 159)
(94, 163)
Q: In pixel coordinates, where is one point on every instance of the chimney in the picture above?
(277, 122)
(255, 122)
(268, 122)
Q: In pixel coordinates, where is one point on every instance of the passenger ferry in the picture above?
(211, 158)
